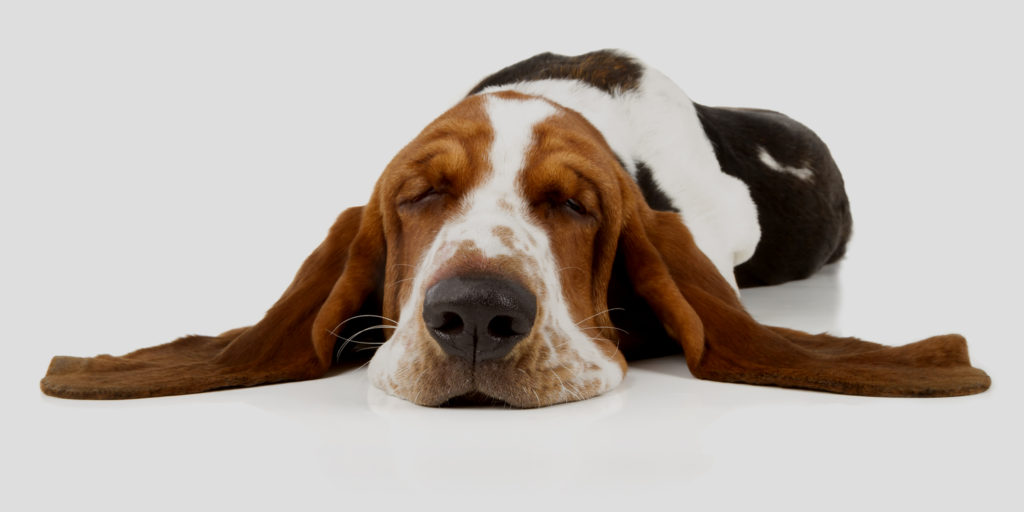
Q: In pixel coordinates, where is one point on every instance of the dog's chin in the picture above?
(455, 383)
(489, 385)
(417, 370)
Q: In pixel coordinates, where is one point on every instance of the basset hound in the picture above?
(568, 214)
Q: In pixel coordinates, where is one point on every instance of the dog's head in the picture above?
(501, 223)
(503, 219)
(497, 248)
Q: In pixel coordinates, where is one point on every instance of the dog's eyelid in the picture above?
(427, 193)
(575, 206)
(420, 197)
(417, 191)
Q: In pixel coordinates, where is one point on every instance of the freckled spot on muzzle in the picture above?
(505, 235)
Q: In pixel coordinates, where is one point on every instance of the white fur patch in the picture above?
(770, 162)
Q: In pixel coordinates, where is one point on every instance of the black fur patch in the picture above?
(642, 334)
(653, 194)
(603, 69)
(804, 224)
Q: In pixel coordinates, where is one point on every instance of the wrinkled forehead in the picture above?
(501, 126)
(508, 133)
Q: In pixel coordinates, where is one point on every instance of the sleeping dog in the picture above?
(568, 214)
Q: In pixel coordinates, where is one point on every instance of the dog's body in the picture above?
(755, 188)
(533, 236)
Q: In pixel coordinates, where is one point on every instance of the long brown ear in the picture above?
(287, 344)
(722, 342)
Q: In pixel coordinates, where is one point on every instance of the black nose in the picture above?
(478, 317)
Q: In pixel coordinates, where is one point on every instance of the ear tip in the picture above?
(50, 387)
(973, 382)
(984, 382)
(58, 381)
(61, 365)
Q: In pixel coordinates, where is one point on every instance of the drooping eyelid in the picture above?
(434, 170)
(586, 191)
(587, 196)
(575, 206)
(555, 186)
(412, 190)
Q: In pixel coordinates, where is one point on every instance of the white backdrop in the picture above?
(166, 167)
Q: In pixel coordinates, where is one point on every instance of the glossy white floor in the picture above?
(165, 170)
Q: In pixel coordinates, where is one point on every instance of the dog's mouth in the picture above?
(474, 399)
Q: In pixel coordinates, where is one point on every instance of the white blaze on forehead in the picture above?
(513, 121)
(487, 206)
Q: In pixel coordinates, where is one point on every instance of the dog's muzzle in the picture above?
(478, 318)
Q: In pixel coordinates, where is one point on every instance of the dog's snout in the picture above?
(478, 317)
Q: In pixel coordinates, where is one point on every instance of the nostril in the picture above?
(451, 324)
(501, 327)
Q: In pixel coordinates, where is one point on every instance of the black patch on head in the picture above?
(804, 224)
(603, 69)
(653, 194)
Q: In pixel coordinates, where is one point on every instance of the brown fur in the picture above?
(723, 342)
(277, 348)
(369, 252)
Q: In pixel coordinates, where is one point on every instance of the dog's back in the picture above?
(759, 191)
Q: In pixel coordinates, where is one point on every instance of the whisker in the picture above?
(351, 339)
(343, 322)
(600, 313)
(375, 327)
(402, 281)
(616, 342)
(569, 389)
(612, 327)
(560, 381)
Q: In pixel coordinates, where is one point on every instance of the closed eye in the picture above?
(428, 194)
(575, 206)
